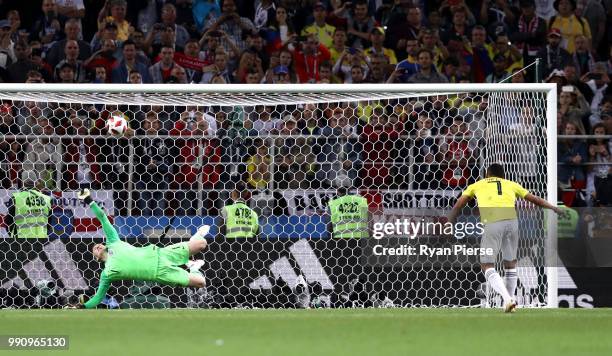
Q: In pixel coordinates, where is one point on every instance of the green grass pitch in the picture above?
(318, 332)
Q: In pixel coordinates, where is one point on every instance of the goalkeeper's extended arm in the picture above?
(108, 228)
(100, 293)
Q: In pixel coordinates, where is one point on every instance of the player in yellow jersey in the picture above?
(496, 197)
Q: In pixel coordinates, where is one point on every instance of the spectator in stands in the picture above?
(582, 58)
(99, 74)
(378, 72)
(34, 76)
(108, 32)
(66, 73)
(80, 155)
(595, 14)
(71, 9)
(104, 57)
(339, 154)
(18, 70)
(407, 29)
(458, 27)
(553, 56)
(572, 106)
(138, 38)
(572, 154)
(135, 77)
(48, 28)
(351, 60)
(56, 53)
(7, 51)
(294, 161)
(378, 140)
(151, 165)
(211, 42)
(161, 71)
(427, 72)
(167, 38)
(43, 154)
(482, 63)
(598, 81)
(249, 61)
(320, 28)
(306, 57)
(258, 167)
(430, 40)
(192, 60)
(504, 47)
(338, 45)
(168, 17)
(114, 11)
(530, 34)
(265, 12)
(570, 26)
(601, 171)
(500, 64)
(280, 29)
(129, 63)
(18, 34)
(455, 154)
(499, 14)
(71, 51)
(219, 69)
(231, 23)
(178, 75)
(572, 78)
(377, 38)
(10, 149)
(359, 25)
(263, 121)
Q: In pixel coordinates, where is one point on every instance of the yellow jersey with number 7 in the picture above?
(496, 198)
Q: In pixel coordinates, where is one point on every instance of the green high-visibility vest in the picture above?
(31, 214)
(349, 216)
(240, 221)
(566, 225)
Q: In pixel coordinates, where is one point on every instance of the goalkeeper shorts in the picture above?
(170, 258)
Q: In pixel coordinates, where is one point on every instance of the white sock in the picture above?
(497, 283)
(510, 279)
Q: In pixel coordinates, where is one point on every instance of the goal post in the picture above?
(408, 149)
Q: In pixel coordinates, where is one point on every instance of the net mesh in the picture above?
(174, 169)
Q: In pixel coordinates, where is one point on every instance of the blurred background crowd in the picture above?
(429, 143)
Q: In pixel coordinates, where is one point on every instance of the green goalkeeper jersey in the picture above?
(124, 261)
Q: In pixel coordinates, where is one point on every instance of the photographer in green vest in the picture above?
(349, 215)
(238, 220)
(29, 211)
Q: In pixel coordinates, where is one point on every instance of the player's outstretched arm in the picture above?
(100, 293)
(461, 202)
(108, 228)
(542, 203)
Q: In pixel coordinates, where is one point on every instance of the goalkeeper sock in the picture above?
(510, 279)
(497, 283)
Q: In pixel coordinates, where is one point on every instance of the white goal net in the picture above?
(409, 150)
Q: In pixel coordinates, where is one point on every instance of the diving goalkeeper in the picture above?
(149, 263)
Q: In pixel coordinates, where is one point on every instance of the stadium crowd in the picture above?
(299, 41)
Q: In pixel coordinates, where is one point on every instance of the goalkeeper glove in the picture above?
(85, 196)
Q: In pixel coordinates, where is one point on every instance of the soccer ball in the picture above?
(116, 125)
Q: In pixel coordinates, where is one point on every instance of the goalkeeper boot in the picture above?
(510, 306)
